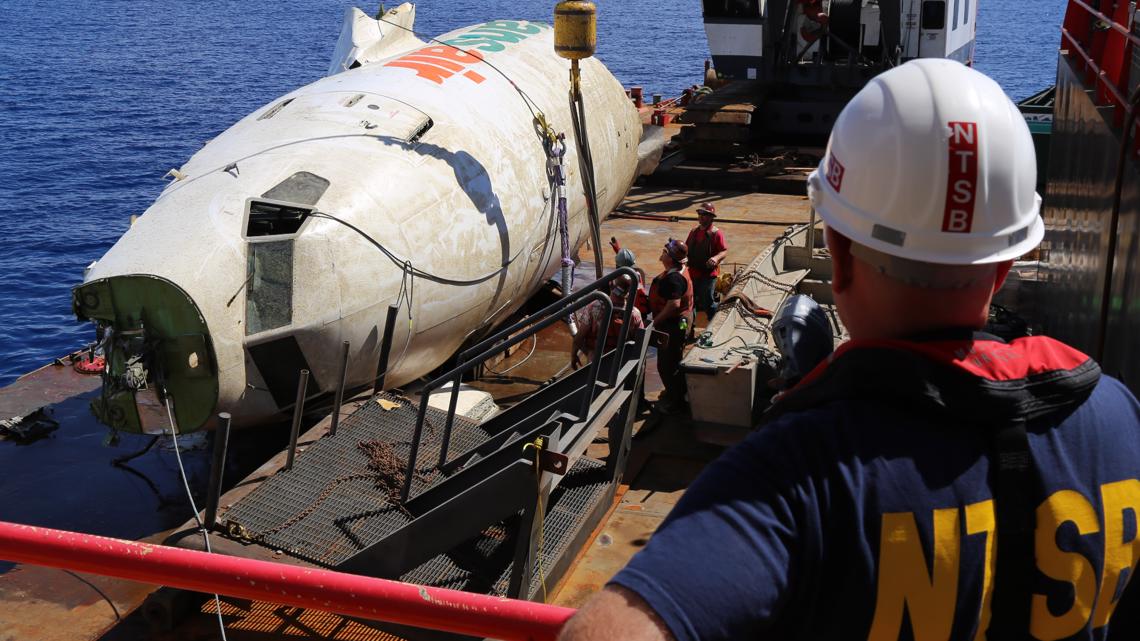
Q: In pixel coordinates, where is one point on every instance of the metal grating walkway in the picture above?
(335, 500)
(484, 564)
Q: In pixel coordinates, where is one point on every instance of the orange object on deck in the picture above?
(92, 365)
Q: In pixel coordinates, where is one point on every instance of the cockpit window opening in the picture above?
(269, 302)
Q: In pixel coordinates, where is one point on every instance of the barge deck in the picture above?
(665, 456)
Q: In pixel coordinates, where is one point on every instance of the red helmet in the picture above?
(706, 209)
(677, 250)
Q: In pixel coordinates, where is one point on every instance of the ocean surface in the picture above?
(99, 100)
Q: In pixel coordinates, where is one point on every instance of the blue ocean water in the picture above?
(99, 100)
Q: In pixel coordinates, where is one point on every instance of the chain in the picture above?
(239, 531)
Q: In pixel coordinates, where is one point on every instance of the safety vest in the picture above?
(700, 247)
(657, 301)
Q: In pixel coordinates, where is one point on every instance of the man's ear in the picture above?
(841, 258)
(1002, 270)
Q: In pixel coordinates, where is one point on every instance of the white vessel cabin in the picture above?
(806, 58)
(744, 35)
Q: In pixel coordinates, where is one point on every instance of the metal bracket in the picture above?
(553, 462)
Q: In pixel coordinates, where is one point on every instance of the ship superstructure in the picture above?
(806, 58)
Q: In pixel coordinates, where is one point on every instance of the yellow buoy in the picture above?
(575, 29)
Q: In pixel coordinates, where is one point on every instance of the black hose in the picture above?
(586, 161)
(406, 264)
(670, 218)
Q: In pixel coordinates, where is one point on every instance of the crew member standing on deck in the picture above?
(671, 303)
(707, 249)
(928, 481)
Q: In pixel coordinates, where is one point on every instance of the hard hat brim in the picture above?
(864, 228)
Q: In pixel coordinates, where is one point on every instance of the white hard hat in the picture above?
(931, 162)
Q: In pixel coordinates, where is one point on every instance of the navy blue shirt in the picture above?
(864, 519)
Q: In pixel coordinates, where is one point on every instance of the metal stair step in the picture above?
(483, 564)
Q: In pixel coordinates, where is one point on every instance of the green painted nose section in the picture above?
(153, 337)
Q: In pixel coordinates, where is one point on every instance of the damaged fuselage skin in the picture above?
(415, 174)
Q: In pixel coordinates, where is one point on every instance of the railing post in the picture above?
(298, 409)
(217, 467)
(385, 349)
(627, 313)
(406, 491)
(537, 322)
(451, 405)
(526, 552)
(339, 389)
(810, 240)
(596, 361)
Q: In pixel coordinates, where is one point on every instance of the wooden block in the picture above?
(716, 117)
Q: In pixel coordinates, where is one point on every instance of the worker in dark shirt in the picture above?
(671, 306)
(707, 250)
(927, 481)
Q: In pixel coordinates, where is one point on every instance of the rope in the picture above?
(758, 350)
(537, 445)
(193, 506)
(701, 345)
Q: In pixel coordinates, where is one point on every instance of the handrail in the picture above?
(1122, 103)
(1112, 24)
(549, 309)
(554, 309)
(541, 324)
(478, 615)
(1078, 43)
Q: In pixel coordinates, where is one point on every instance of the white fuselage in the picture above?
(431, 153)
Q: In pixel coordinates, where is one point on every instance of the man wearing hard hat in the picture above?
(928, 481)
(707, 249)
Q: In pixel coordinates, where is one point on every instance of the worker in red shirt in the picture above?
(707, 249)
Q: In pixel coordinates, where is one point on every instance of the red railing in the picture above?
(1103, 44)
(347, 594)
